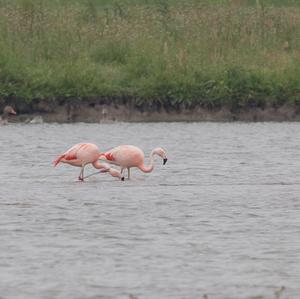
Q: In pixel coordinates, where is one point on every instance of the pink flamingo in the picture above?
(82, 154)
(127, 156)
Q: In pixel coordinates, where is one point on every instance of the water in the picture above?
(220, 218)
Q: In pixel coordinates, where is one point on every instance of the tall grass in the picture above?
(175, 53)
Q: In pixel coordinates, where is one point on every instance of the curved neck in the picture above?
(150, 167)
(97, 165)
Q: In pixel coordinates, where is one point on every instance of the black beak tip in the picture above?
(122, 178)
(165, 161)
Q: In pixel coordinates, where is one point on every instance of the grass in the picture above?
(174, 53)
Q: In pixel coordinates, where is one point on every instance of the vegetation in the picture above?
(238, 53)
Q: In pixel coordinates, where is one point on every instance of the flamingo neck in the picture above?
(97, 165)
(150, 167)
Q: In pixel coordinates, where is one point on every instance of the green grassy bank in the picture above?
(176, 53)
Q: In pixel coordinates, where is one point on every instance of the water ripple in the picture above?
(221, 218)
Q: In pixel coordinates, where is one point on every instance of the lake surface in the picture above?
(221, 218)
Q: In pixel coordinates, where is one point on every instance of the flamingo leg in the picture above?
(81, 174)
(128, 169)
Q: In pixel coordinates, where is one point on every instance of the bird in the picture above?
(82, 154)
(128, 156)
(8, 110)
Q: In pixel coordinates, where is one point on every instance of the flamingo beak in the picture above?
(13, 112)
(122, 179)
(165, 161)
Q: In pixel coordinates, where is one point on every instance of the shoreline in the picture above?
(168, 60)
(103, 111)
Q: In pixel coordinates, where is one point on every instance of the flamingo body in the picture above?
(82, 154)
(79, 154)
(128, 156)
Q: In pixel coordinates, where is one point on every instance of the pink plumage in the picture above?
(128, 156)
(82, 154)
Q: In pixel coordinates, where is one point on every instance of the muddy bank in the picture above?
(101, 111)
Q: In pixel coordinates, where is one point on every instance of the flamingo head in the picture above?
(9, 110)
(112, 171)
(161, 152)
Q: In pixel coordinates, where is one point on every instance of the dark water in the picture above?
(220, 218)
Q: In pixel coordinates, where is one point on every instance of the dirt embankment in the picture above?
(101, 111)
